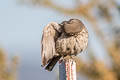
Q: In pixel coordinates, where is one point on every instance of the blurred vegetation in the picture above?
(104, 18)
(8, 69)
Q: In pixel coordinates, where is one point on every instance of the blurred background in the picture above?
(21, 25)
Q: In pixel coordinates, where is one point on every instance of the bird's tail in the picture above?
(52, 63)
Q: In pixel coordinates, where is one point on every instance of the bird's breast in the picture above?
(72, 45)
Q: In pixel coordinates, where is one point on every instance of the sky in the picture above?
(20, 34)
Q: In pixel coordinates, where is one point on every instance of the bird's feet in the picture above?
(72, 57)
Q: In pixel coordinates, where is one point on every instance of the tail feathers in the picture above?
(52, 63)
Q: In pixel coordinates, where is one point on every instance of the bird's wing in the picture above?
(48, 43)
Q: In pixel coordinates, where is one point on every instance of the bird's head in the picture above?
(72, 26)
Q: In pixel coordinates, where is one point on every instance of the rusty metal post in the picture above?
(67, 70)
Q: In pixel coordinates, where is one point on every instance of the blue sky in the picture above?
(20, 34)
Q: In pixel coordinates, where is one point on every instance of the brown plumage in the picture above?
(59, 40)
(72, 26)
(50, 35)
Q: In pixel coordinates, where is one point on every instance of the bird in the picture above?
(68, 38)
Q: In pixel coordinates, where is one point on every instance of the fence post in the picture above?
(67, 70)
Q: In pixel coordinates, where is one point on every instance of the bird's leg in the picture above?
(72, 57)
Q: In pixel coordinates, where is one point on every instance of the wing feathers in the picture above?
(52, 63)
(48, 43)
